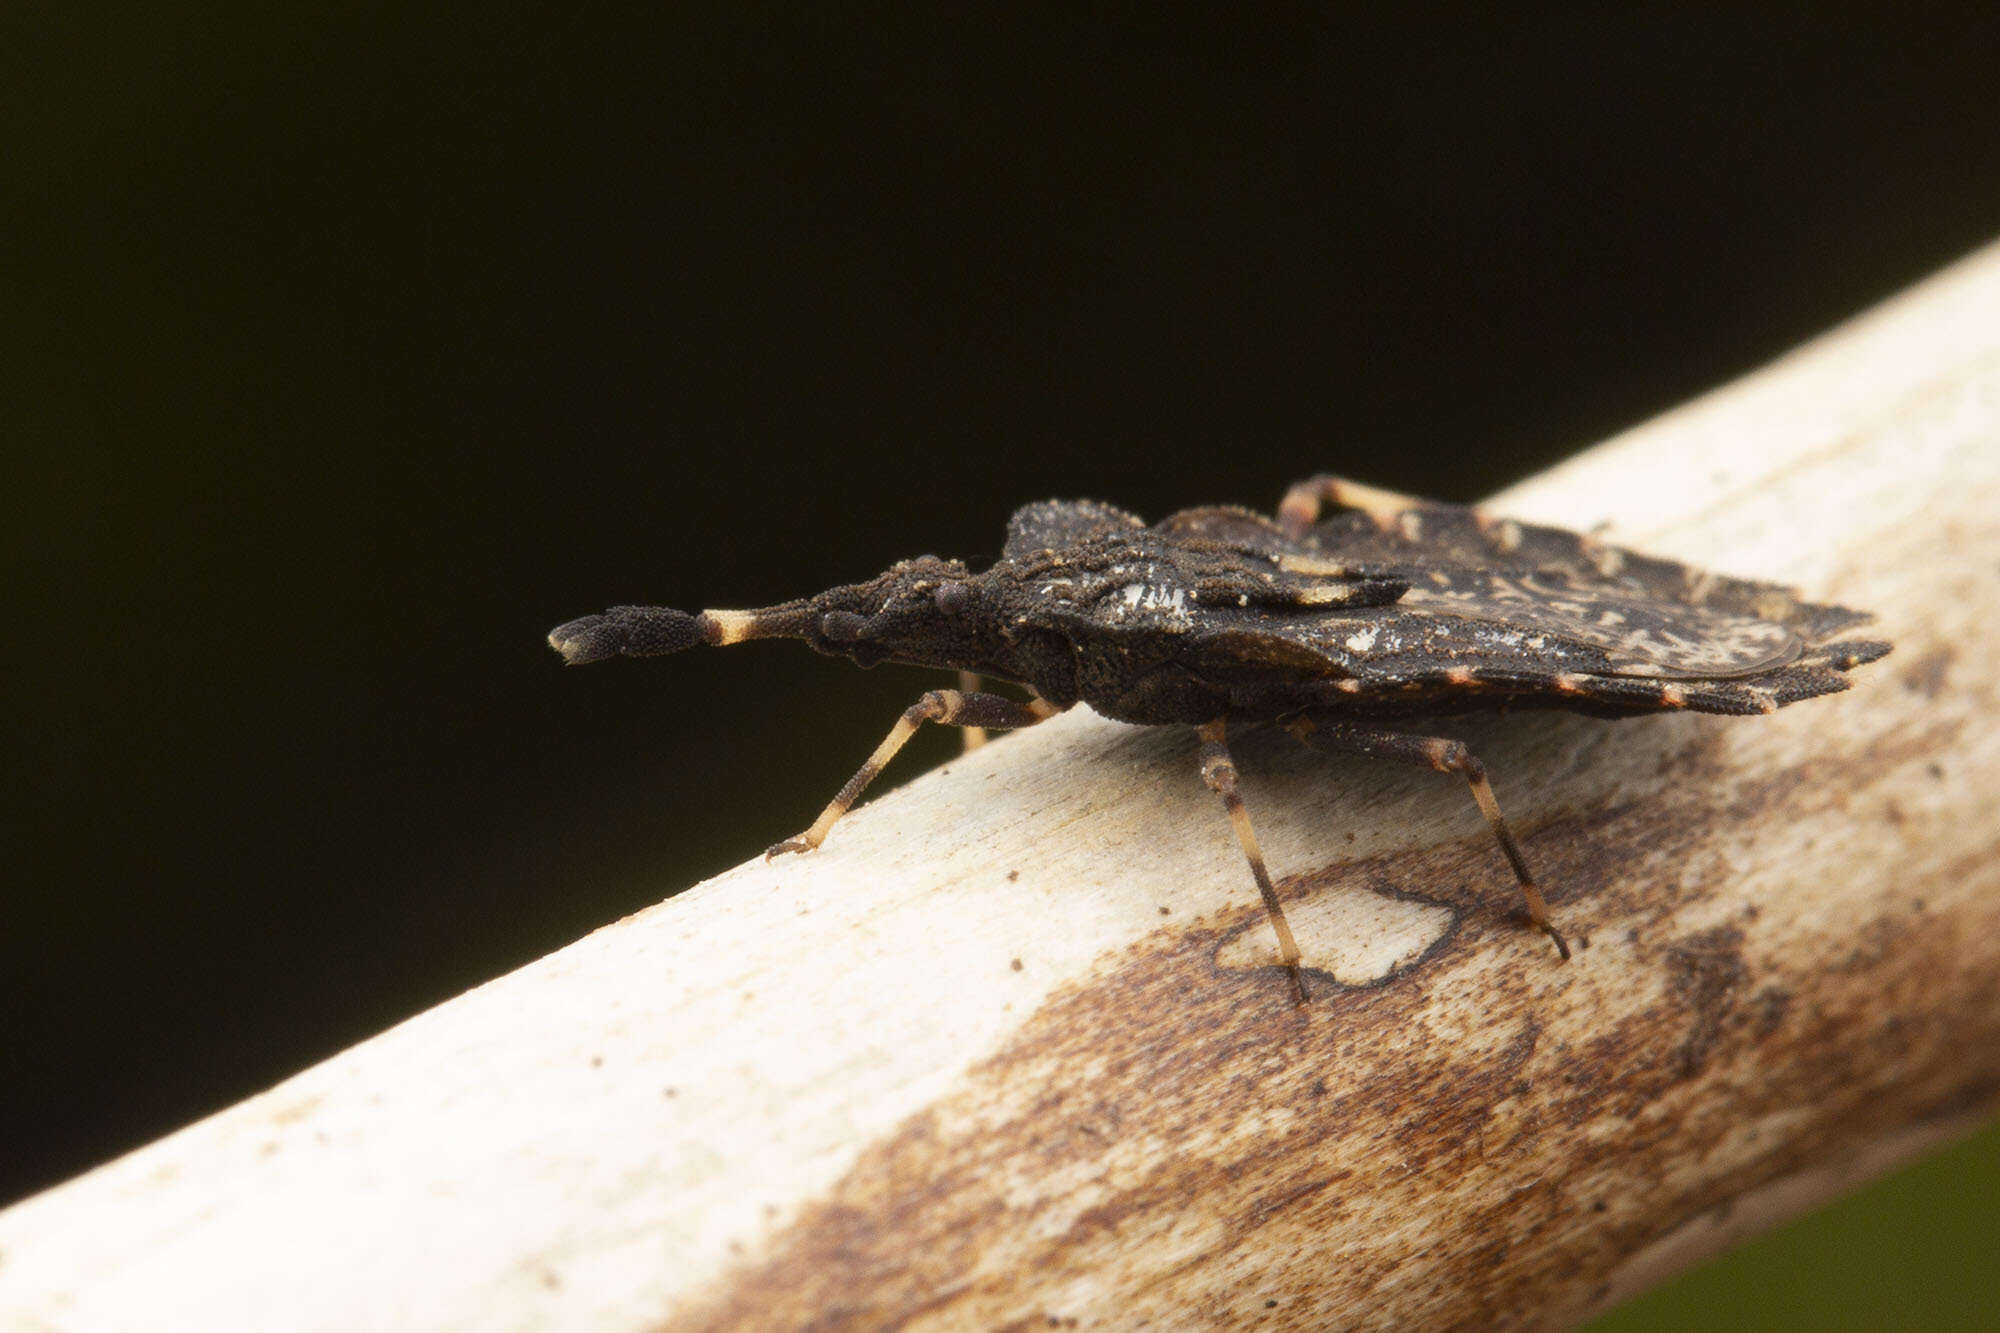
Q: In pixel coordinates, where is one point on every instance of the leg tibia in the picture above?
(1446, 756)
(953, 708)
(1218, 770)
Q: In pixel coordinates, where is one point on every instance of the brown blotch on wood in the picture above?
(1705, 970)
(1927, 674)
(1156, 1045)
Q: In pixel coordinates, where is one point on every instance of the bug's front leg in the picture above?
(1218, 770)
(956, 708)
(1446, 756)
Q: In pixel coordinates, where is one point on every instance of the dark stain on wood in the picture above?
(1927, 674)
(1705, 970)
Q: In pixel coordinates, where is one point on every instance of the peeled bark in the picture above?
(1010, 1048)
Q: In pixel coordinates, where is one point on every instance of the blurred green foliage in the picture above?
(1917, 1250)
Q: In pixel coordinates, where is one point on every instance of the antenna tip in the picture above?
(626, 631)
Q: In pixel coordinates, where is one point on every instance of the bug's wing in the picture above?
(1637, 635)
(1049, 525)
(1517, 625)
(1573, 580)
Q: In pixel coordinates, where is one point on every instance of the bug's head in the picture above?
(923, 611)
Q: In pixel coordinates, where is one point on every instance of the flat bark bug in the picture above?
(1353, 607)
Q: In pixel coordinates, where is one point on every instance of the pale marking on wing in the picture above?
(1775, 605)
(1640, 638)
(1314, 565)
(1155, 597)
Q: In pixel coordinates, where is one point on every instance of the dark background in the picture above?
(347, 353)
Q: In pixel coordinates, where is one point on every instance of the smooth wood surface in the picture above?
(1008, 1052)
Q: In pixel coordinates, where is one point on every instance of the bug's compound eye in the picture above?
(951, 598)
(843, 626)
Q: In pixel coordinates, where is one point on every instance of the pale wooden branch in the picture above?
(1009, 1048)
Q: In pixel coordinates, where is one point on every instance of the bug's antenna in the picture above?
(652, 631)
(627, 631)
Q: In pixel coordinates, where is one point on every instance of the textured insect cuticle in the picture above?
(1353, 608)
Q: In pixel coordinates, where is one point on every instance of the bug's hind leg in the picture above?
(1446, 756)
(956, 708)
(1299, 510)
(1218, 770)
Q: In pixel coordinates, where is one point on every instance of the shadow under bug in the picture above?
(1330, 624)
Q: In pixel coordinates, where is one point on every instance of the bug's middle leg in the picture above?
(1218, 770)
(956, 708)
(1446, 756)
